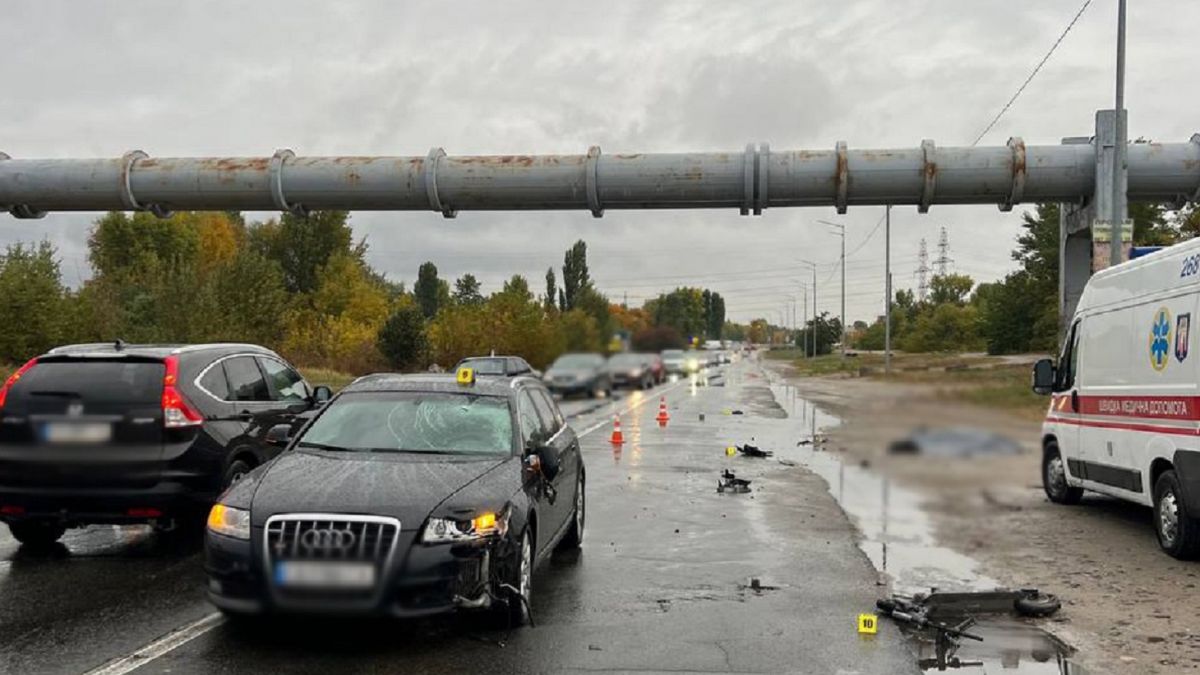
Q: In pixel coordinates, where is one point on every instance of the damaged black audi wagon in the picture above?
(407, 495)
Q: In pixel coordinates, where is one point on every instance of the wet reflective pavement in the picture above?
(673, 576)
(898, 537)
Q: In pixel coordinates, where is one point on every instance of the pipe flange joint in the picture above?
(749, 159)
(591, 181)
(841, 176)
(125, 191)
(1017, 191)
(432, 160)
(763, 172)
(929, 171)
(22, 211)
(275, 171)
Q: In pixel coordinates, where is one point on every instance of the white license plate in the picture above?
(312, 574)
(73, 432)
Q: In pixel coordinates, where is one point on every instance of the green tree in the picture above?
(950, 289)
(551, 292)
(517, 287)
(253, 300)
(827, 331)
(32, 302)
(402, 338)
(303, 245)
(575, 275)
(466, 291)
(426, 289)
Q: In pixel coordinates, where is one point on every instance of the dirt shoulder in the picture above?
(1128, 607)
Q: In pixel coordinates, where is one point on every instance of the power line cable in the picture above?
(1032, 74)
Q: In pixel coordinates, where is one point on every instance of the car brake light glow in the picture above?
(177, 413)
(10, 510)
(143, 512)
(12, 379)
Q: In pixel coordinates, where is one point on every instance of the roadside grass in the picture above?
(334, 379)
(971, 378)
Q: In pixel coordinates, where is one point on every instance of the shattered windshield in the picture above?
(414, 422)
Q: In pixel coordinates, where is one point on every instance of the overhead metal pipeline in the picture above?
(751, 181)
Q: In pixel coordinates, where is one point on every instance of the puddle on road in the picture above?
(898, 538)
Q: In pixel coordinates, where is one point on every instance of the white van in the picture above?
(1124, 417)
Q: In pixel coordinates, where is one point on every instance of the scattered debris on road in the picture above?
(753, 451)
(730, 482)
(943, 620)
(815, 440)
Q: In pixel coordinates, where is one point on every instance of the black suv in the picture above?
(116, 433)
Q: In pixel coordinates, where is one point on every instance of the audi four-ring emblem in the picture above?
(328, 540)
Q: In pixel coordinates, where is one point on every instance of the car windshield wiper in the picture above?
(323, 446)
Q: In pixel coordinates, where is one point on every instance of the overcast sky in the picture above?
(180, 78)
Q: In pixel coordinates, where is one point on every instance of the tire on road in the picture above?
(37, 534)
(1042, 604)
(1178, 531)
(514, 612)
(1054, 477)
(573, 539)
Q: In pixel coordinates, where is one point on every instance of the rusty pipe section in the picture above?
(752, 180)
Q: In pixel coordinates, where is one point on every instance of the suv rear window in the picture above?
(92, 380)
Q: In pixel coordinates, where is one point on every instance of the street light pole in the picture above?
(887, 289)
(1117, 249)
(841, 231)
(813, 330)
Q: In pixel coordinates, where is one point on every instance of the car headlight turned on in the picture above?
(229, 521)
(450, 530)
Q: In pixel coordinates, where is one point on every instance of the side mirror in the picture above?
(1043, 377)
(543, 457)
(279, 435)
(321, 394)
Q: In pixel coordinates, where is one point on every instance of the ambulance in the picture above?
(1124, 414)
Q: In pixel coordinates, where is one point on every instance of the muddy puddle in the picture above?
(897, 535)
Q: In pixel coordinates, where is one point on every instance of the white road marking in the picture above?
(181, 636)
(629, 408)
(167, 643)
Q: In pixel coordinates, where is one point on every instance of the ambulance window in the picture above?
(1068, 362)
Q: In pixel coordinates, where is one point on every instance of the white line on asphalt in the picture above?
(173, 640)
(644, 401)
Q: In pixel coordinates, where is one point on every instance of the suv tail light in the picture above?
(12, 379)
(177, 413)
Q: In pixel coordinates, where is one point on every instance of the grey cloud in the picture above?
(226, 78)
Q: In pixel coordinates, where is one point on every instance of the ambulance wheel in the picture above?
(1054, 477)
(1178, 533)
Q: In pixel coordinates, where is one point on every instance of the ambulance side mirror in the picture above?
(1043, 377)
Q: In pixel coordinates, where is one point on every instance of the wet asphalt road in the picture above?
(660, 585)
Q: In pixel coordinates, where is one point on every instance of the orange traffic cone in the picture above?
(662, 410)
(617, 438)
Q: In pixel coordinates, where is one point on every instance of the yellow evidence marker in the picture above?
(868, 624)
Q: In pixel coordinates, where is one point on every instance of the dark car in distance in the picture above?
(407, 496)
(578, 373)
(630, 369)
(117, 433)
